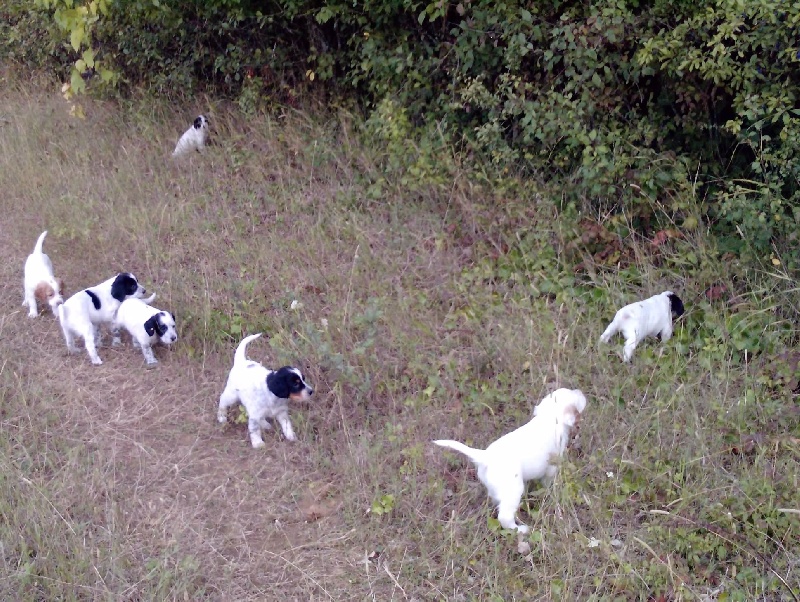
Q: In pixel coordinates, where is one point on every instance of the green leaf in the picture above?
(76, 37)
(88, 58)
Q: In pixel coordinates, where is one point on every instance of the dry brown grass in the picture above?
(119, 484)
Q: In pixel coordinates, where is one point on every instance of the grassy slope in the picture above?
(421, 316)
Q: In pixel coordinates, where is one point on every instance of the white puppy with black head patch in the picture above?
(194, 138)
(649, 318)
(529, 453)
(85, 310)
(263, 393)
(39, 284)
(147, 326)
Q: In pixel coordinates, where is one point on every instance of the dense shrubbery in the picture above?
(675, 113)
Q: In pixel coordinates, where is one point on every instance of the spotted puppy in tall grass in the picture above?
(529, 453)
(649, 318)
(263, 393)
(84, 311)
(194, 138)
(39, 283)
(147, 326)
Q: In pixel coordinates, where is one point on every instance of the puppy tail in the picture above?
(38, 248)
(476, 455)
(241, 355)
(150, 299)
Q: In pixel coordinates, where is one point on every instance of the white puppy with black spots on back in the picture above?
(147, 326)
(263, 393)
(85, 310)
(194, 138)
(529, 453)
(39, 283)
(649, 318)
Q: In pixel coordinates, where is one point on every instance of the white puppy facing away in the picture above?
(146, 324)
(39, 284)
(649, 318)
(263, 393)
(194, 138)
(85, 310)
(529, 453)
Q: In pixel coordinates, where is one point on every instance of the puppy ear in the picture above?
(151, 325)
(123, 285)
(676, 305)
(277, 384)
(161, 328)
(41, 292)
(60, 284)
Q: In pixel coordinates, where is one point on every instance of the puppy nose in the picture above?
(310, 391)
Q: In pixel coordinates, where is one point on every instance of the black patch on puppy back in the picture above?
(154, 325)
(95, 299)
(124, 285)
(676, 305)
(284, 382)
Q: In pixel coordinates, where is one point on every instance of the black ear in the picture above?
(278, 384)
(161, 328)
(151, 326)
(123, 286)
(676, 305)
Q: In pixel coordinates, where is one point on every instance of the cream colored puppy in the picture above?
(39, 284)
(525, 454)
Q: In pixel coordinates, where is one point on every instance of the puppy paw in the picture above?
(151, 365)
(222, 418)
(523, 529)
(32, 314)
(258, 444)
(97, 361)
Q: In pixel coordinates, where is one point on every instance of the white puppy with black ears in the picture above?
(82, 313)
(263, 393)
(147, 326)
(529, 453)
(649, 318)
(39, 283)
(194, 138)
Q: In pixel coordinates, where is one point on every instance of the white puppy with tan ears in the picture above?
(39, 284)
(649, 318)
(147, 326)
(194, 138)
(263, 393)
(529, 453)
(85, 310)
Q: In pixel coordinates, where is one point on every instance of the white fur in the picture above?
(79, 316)
(247, 383)
(640, 320)
(194, 138)
(39, 274)
(525, 454)
(134, 315)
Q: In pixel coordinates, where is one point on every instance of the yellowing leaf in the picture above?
(77, 111)
(776, 261)
(88, 58)
(77, 37)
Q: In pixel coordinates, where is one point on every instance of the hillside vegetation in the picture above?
(420, 303)
(650, 114)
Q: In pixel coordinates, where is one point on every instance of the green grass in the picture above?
(442, 307)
